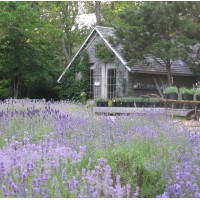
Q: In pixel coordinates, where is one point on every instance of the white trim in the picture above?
(75, 56)
(115, 52)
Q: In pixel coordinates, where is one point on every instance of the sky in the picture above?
(86, 19)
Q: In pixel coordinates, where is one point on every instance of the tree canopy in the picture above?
(157, 29)
(39, 39)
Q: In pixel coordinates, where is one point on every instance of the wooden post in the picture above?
(172, 110)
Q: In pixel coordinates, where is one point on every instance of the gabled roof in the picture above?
(103, 32)
(150, 65)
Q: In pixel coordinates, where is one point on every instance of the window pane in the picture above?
(111, 81)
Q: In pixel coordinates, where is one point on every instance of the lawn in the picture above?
(61, 149)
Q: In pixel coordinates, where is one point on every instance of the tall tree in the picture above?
(112, 10)
(64, 16)
(26, 48)
(16, 48)
(154, 28)
(97, 12)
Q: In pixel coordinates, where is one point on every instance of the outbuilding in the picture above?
(111, 76)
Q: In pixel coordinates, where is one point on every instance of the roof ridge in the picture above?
(104, 27)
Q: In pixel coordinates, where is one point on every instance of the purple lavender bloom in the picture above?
(46, 194)
(64, 175)
(94, 195)
(46, 176)
(164, 195)
(42, 170)
(14, 162)
(189, 186)
(195, 187)
(5, 191)
(197, 195)
(23, 182)
(2, 167)
(102, 162)
(119, 191)
(13, 187)
(118, 179)
(128, 190)
(83, 149)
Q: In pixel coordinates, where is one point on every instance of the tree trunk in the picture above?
(16, 87)
(98, 13)
(68, 21)
(168, 68)
(66, 54)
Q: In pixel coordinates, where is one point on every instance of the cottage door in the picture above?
(109, 81)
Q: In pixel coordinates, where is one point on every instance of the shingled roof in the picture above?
(149, 65)
(152, 65)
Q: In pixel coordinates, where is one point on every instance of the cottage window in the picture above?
(91, 89)
(111, 83)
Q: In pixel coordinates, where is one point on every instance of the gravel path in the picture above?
(192, 125)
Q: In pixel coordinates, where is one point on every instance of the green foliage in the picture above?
(5, 89)
(103, 53)
(184, 90)
(101, 100)
(112, 40)
(193, 91)
(130, 162)
(135, 99)
(111, 11)
(2, 142)
(197, 92)
(110, 103)
(160, 35)
(27, 52)
(72, 88)
(150, 182)
(31, 57)
(172, 89)
(83, 97)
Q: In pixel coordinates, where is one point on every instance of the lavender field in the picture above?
(60, 149)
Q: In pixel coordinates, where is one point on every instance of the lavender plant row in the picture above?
(60, 149)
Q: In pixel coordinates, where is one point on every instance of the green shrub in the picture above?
(193, 91)
(72, 88)
(149, 181)
(119, 99)
(197, 92)
(103, 53)
(171, 89)
(2, 142)
(101, 100)
(83, 98)
(130, 164)
(184, 90)
(110, 103)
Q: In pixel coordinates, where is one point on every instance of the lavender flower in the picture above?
(44, 140)
(64, 175)
(5, 191)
